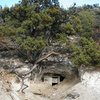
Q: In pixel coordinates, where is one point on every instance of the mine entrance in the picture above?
(52, 79)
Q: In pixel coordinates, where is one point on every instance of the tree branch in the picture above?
(39, 60)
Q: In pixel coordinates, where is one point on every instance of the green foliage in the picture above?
(31, 43)
(73, 26)
(86, 52)
(91, 49)
(46, 19)
(61, 38)
(69, 29)
(77, 25)
(36, 24)
(87, 18)
(20, 30)
(5, 30)
(53, 11)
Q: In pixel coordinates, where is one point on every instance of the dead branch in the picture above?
(39, 60)
(23, 76)
(35, 65)
(4, 45)
(46, 56)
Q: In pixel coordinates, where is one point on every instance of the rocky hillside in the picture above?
(68, 89)
(48, 52)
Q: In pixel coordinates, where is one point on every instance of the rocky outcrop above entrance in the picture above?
(58, 64)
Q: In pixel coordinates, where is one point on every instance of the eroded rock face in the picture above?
(59, 64)
(88, 88)
(14, 64)
(10, 84)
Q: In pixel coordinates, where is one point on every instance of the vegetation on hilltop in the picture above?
(33, 25)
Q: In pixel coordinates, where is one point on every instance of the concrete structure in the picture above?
(52, 79)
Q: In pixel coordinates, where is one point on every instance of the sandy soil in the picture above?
(35, 91)
(87, 89)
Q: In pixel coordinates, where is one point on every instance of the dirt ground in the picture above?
(36, 90)
(88, 88)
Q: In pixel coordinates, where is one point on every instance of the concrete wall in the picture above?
(51, 79)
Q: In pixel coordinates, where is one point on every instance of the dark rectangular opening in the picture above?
(54, 84)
